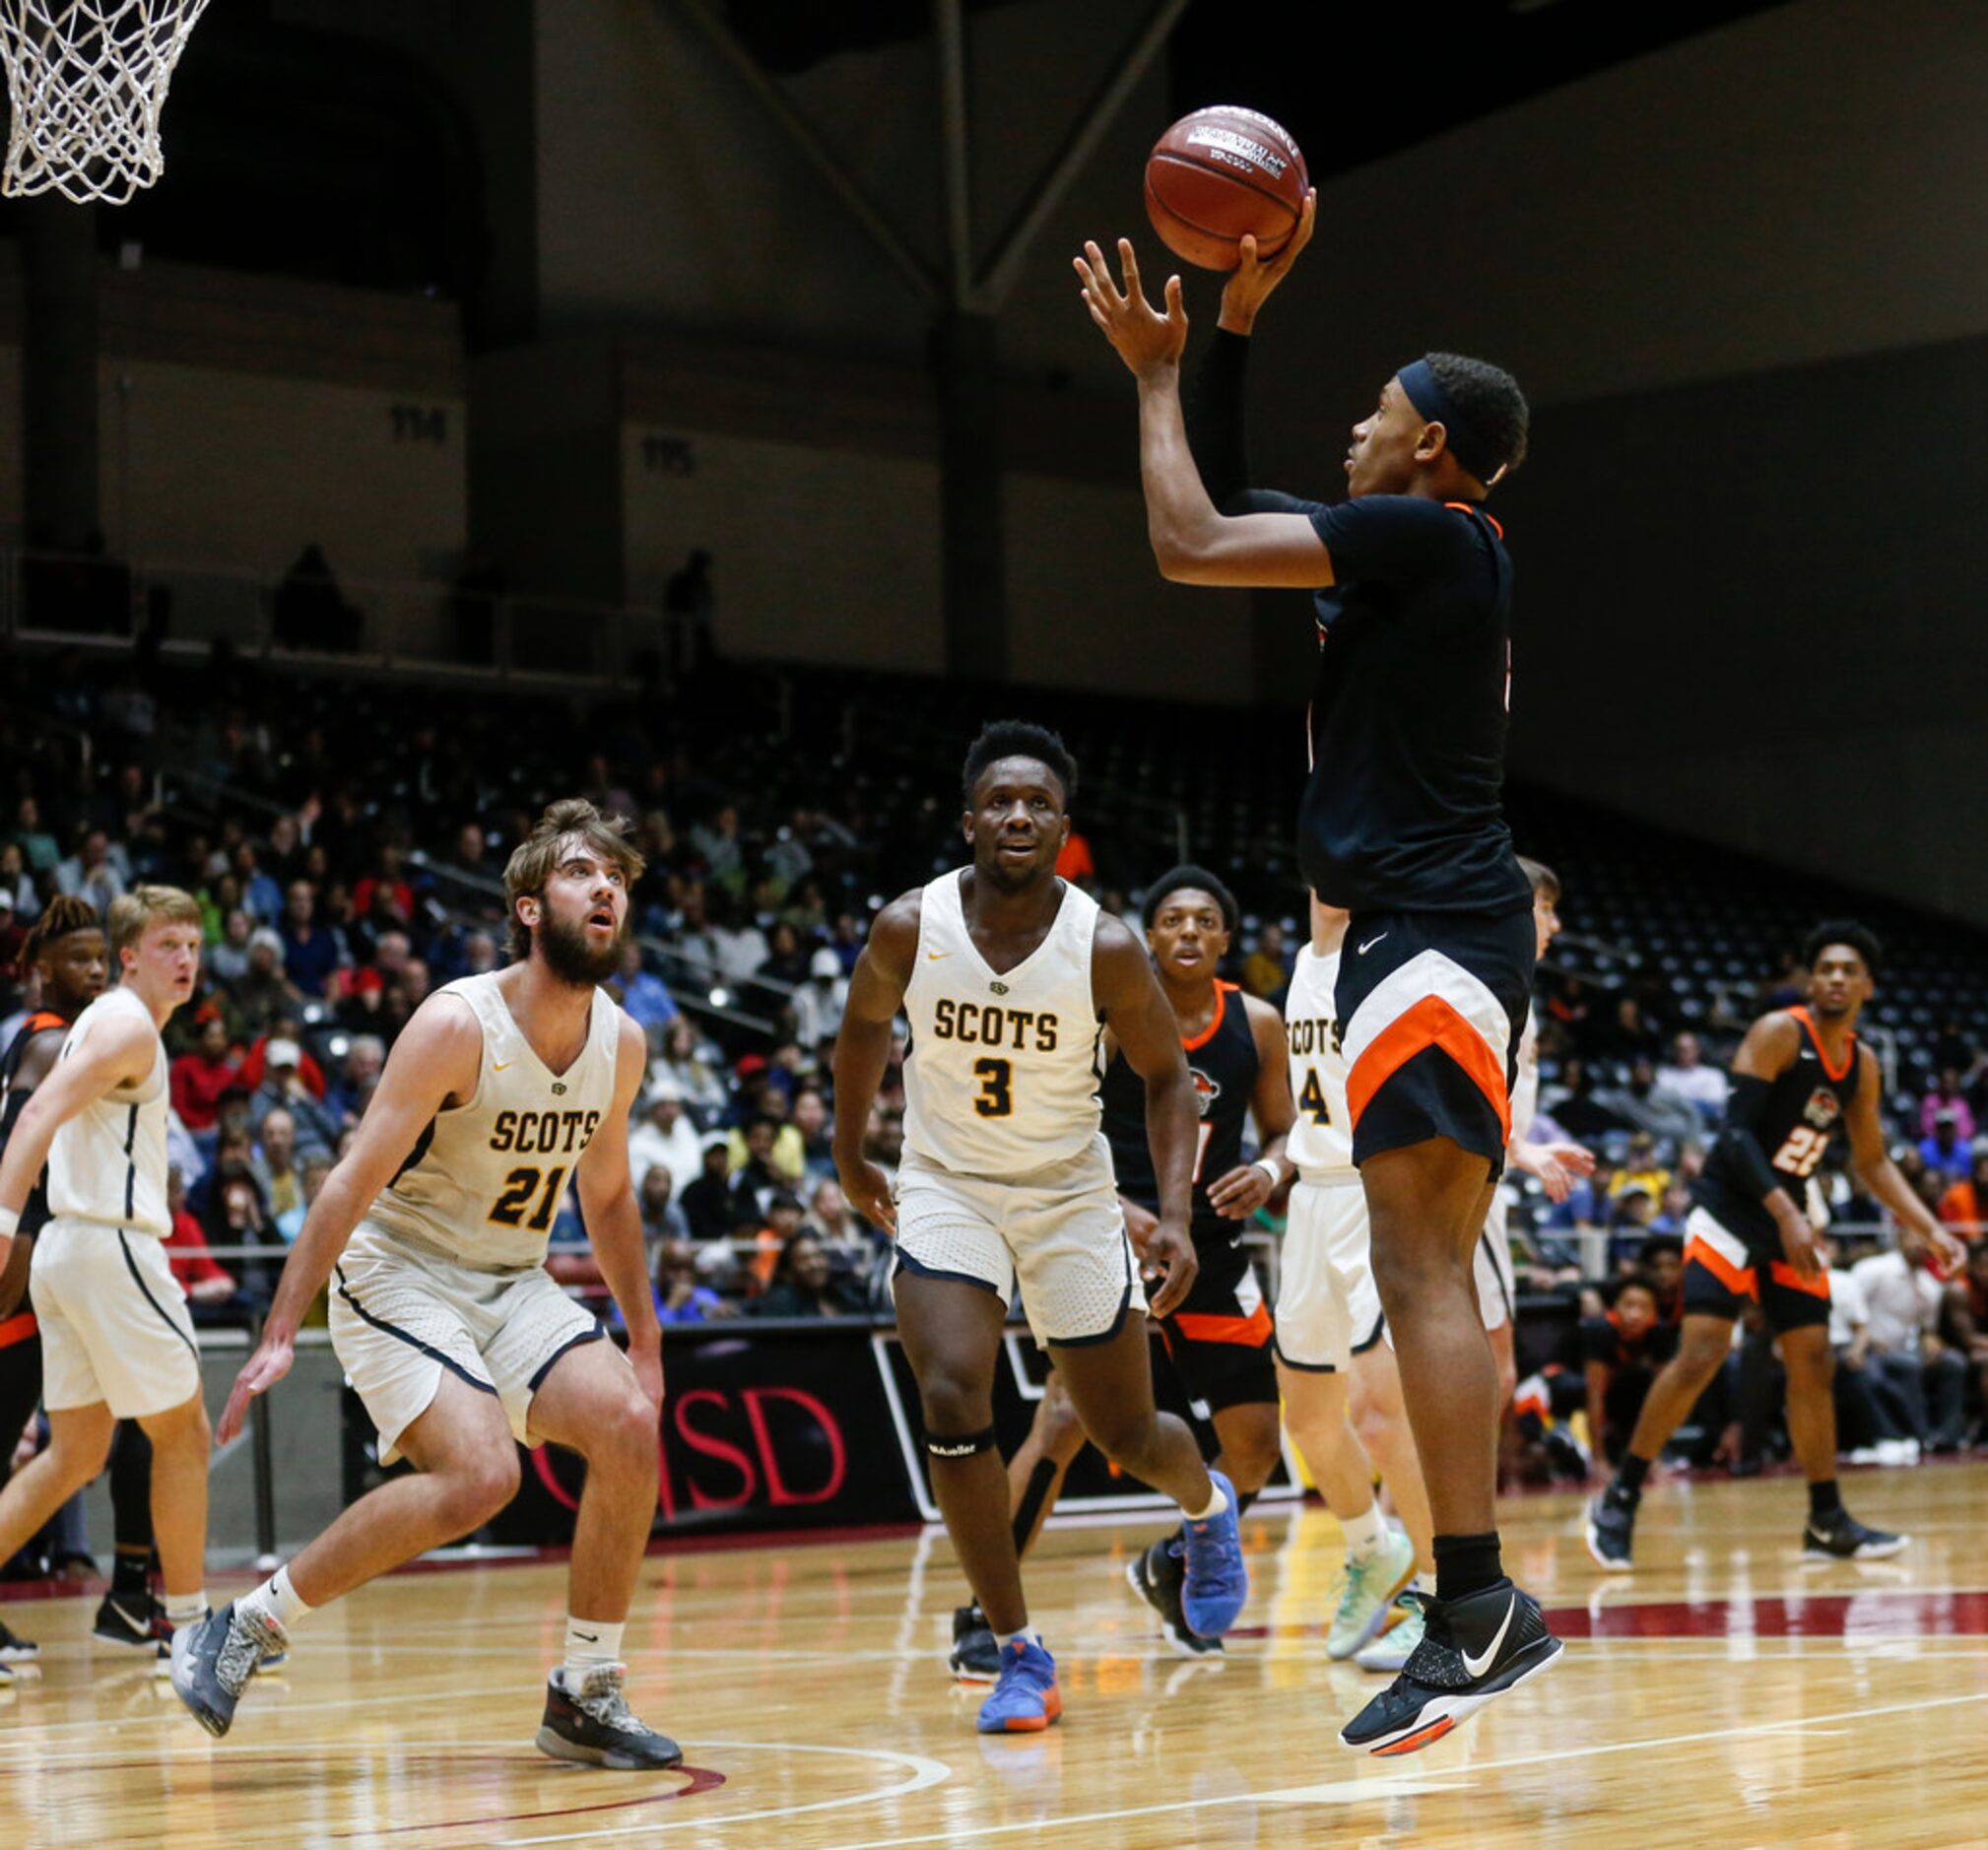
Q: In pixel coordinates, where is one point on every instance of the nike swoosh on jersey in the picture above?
(1369, 945)
(933, 957)
(499, 1066)
(1476, 1666)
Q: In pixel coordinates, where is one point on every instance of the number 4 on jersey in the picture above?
(1311, 1100)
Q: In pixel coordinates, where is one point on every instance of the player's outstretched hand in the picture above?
(1239, 1194)
(1558, 1165)
(259, 1374)
(868, 1191)
(1146, 340)
(1170, 1255)
(1251, 281)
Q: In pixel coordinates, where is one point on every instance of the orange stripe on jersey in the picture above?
(1222, 994)
(1842, 1072)
(18, 1329)
(1785, 1275)
(1471, 507)
(1432, 1023)
(1250, 1332)
(1739, 1279)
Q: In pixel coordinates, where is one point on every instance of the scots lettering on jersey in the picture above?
(544, 1133)
(988, 1024)
(1312, 1036)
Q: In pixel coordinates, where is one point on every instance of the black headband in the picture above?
(1474, 451)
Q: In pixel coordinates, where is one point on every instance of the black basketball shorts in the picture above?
(1431, 1007)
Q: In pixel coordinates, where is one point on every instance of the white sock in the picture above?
(1029, 1633)
(276, 1599)
(1217, 1504)
(185, 1608)
(590, 1643)
(1364, 1533)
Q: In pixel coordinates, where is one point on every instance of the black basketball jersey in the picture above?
(1222, 1060)
(35, 1210)
(1805, 1109)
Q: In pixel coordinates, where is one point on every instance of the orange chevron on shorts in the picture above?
(1430, 1023)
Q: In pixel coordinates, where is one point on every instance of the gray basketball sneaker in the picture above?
(212, 1661)
(593, 1723)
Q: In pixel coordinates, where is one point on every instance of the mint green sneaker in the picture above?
(1371, 1585)
(1394, 1645)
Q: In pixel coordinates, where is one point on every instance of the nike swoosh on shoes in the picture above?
(1478, 1663)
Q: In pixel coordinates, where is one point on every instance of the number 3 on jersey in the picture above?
(997, 1083)
(519, 1188)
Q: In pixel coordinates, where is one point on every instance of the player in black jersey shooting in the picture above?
(1801, 1076)
(1402, 825)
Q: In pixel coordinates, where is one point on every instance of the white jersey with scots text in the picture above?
(485, 1179)
(1321, 1141)
(107, 1164)
(1002, 1074)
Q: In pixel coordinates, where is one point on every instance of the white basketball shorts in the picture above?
(115, 1326)
(1328, 1307)
(400, 1316)
(1492, 1266)
(1060, 1230)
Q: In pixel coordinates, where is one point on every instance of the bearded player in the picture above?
(432, 1232)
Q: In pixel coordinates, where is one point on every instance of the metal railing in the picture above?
(382, 626)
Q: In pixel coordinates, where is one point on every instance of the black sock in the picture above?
(1467, 1565)
(1243, 1499)
(1628, 1487)
(1825, 1500)
(131, 1572)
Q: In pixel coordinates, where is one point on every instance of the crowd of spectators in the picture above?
(340, 888)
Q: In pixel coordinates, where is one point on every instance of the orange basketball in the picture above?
(1219, 174)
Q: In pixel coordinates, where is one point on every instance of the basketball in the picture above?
(1218, 175)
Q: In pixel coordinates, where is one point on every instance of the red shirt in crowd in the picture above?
(188, 1255)
(197, 1085)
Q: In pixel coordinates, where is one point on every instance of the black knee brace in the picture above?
(964, 1447)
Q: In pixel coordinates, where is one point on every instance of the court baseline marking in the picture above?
(1357, 1791)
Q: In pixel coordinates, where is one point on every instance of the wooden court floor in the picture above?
(1727, 1696)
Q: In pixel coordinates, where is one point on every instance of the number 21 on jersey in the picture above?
(520, 1188)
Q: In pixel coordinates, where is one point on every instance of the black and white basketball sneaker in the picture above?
(15, 1649)
(1612, 1532)
(1156, 1575)
(129, 1619)
(977, 1655)
(212, 1661)
(591, 1722)
(1840, 1537)
(1473, 1650)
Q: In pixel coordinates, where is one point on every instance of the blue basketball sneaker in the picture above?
(1217, 1583)
(1025, 1699)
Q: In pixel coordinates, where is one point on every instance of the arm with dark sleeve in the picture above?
(1770, 1050)
(1217, 432)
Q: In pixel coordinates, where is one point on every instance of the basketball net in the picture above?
(85, 79)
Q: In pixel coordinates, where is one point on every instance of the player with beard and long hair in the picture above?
(502, 1091)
